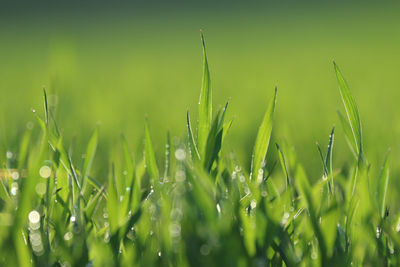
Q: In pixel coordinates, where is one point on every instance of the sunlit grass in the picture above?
(201, 207)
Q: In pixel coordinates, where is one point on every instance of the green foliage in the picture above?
(203, 209)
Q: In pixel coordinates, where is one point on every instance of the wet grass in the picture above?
(201, 207)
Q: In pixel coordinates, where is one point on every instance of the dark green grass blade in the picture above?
(214, 141)
(46, 107)
(329, 159)
(323, 161)
(262, 140)
(205, 105)
(192, 144)
(151, 164)
(383, 185)
(329, 153)
(351, 111)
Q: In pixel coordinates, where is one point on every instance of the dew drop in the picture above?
(45, 171)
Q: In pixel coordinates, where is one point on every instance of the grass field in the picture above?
(123, 167)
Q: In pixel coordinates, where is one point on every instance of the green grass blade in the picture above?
(46, 107)
(90, 153)
(205, 105)
(351, 111)
(262, 140)
(383, 185)
(151, 164)
(323, 161)
(214, 142)
(192, 144)
(92, 203)
(282, 161)
(167, 168)
(348, 133)
(329, 159)
(329, 153)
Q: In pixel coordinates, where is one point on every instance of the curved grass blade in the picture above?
(262, 140)
(205, 105)
(352, 113)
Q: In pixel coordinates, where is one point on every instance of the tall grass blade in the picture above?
(262, 140)
(351, 111)
(205, 104)
(90, 153)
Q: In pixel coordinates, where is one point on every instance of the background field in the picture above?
(112, 64)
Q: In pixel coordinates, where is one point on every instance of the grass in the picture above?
(202, 208)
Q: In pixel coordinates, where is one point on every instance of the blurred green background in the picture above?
(112, 63)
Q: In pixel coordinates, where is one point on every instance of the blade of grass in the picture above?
(90, 153)
(205, 105)
(262, 140)
(46, 107)
(383, 185)
(167, 169)
(192, 144)
(151, 164)
(283, 164)
(352, 112)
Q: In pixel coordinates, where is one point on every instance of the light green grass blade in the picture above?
(128, 160)
(348, 133)
(192, 144)
(90, 153)
(351, 111)
(151, 164)
(23, 148)
(113, 203)
(305, 190)
(282, 161)
(92, 203)
(383, 185)
(167, 165)
(262, 140)
(205, 105)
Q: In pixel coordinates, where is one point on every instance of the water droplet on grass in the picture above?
(34, 217)
(45, 171)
